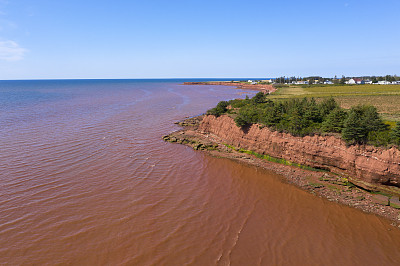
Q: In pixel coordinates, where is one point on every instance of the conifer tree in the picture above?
(395, 134)
(327, 105)
(334, 121)
(259, 98)
(354, 130)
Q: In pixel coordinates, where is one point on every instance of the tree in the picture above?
(312, 112)
(361, 121)
(219, 109)
(372, 120)
(259, 98)
(295, 125)
(395, 134)
(327, 105)
(247, 115)
(354, 130)
(334, 121)
(272, 115)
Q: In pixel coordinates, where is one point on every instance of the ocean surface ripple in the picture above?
(87, 180)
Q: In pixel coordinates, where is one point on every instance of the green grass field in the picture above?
(386, 98)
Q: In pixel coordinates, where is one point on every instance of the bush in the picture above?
(238, 103)
(220, 109)
(379, 138)
(259, 98)
(395, 134)
(247, 115)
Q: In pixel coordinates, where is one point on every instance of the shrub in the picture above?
(220, 109)
(247, 115)
(379, 138)
(237, 103)
(395, 134)
(259, 98)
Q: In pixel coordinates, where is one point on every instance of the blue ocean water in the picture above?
(22, 100)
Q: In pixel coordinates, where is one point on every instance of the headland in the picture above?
(267, 88)
(361, 176)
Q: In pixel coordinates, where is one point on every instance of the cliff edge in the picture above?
(366, 166)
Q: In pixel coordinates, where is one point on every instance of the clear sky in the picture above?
(47, 39)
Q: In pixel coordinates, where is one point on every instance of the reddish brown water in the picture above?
(87, 180)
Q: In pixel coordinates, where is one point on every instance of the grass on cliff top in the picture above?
(385, 98)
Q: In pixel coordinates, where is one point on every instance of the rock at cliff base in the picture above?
(395, 202)
(380, 199)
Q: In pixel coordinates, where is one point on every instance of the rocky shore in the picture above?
(332, 185)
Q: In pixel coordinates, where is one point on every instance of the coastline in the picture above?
(325, 184)
(321, 183)
(266, 88)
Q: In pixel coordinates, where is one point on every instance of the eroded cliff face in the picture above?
(366, 166)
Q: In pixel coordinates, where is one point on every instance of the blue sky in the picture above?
(47, 39)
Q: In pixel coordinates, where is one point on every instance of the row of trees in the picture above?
(359, 125)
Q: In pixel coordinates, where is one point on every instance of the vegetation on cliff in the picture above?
(360, 125)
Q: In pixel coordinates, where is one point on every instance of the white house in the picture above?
(384, 82)
(328, 82)
(355, 81)
(267, 80)
(301, 82)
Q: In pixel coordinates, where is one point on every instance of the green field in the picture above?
(386, 98)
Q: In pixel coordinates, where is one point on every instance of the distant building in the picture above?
(355, 81)
(384, 82)
(328, 82)
(359, 81)
(301, 82)
(368, 82)
(267, 80)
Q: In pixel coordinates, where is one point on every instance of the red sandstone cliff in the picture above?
(366, 166)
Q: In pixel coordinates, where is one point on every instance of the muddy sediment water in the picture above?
(87, 179)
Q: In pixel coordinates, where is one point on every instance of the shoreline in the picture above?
(324, 184)
(266, 88)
